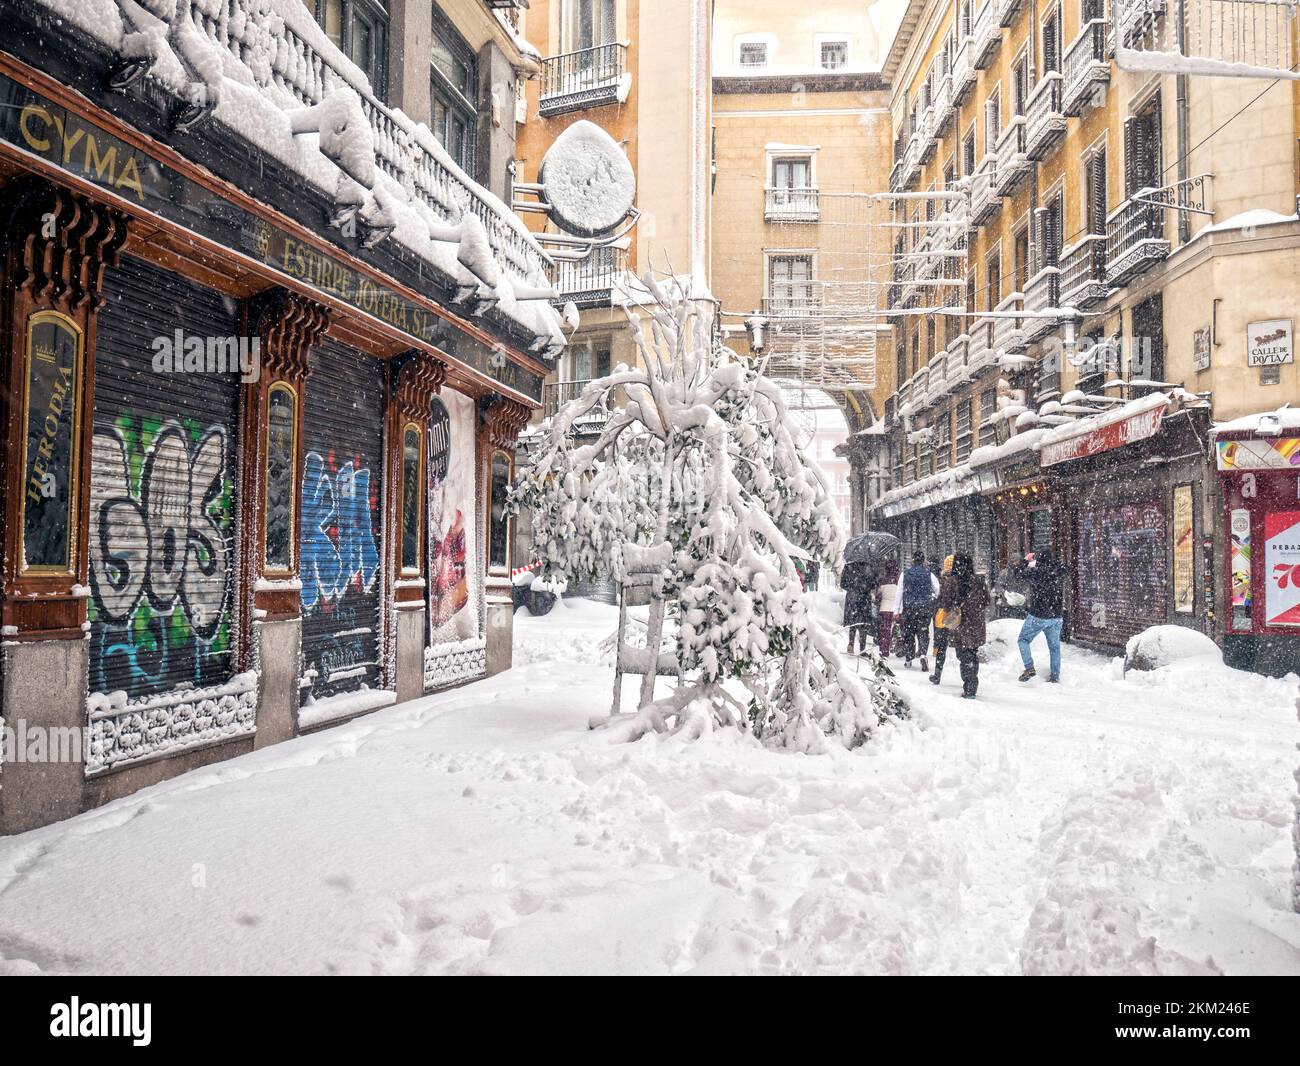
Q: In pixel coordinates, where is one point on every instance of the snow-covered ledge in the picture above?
(266, 70)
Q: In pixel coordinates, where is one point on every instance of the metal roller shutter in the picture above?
(162, 491)
(1120, 565)
(342, 521)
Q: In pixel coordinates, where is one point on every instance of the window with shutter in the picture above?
(1020, 84)
(968, 153)
(1052, 42)
(1097, 206)
(992, 122)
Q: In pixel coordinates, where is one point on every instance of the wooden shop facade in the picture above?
(257, 447)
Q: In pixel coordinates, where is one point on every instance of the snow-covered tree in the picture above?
(696, 482)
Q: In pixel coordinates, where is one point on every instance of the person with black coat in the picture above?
(964, 597)
(1044, 602)
(859, 584)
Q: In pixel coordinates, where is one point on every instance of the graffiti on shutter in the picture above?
(1120, 557)
(161, 610)
(342, 488)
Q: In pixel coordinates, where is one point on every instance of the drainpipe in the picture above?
(1184, 134)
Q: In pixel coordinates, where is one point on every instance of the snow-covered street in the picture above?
(1110, 825)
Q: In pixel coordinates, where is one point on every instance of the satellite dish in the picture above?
(587, 180)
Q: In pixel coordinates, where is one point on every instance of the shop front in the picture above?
(1134, 489)
(257, 440)
(1257, 462)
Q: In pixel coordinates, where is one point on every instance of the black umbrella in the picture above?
(874, 547)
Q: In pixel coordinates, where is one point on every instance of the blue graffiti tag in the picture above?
(342, 503)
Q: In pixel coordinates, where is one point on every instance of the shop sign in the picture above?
(1184, 571)
(1269, 343)
(1201, 349)
(51, 406)
(1282, 568)
(1240, 567)
(1134, 428)
(41, 127)
(1278, 453)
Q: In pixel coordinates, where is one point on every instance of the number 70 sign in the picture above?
(1282, 565)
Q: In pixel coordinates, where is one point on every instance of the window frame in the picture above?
(442, 90)
(376, 13)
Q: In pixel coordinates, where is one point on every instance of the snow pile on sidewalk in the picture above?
(1113, 824)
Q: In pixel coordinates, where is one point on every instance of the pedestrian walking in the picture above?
(920, 587)
(941, 635)
(887, 595)
(964, 598)
(858, 583)
(1044, 578)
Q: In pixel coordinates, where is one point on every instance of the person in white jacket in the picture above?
(887, 603)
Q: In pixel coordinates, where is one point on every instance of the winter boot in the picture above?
(934, 677)
(1053, 680)
(925, 667)
(1029, 672)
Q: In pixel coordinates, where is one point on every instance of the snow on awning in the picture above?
(1285, 420)
(1131, 422)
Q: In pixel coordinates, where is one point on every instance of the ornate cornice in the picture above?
(61, 244)
(288, 325)
(505, 420)
(419, 378)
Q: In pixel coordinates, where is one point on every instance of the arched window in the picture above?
(412, 501)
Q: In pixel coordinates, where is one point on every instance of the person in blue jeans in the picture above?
(1045, 579)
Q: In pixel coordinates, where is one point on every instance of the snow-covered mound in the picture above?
(1161, 645)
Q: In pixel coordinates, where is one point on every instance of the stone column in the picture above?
(503, 421)
(418, 378)
(58, 244)
(269, 521)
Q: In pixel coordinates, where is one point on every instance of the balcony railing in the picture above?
(589, 77)
(913, 160)
(1013, 163)
(926, 132)
(1007, 11)
(556, 395)
(1045, 121)
(1009, 333)
(958, 370)
(791, 205)
(1139, 17)
(980, 352)
(1135, 238)
(1086, 67)
(937, 388)
(944, 109)
(1042, 293)
(963, 71)
(1083, 273)
(984, 199)
(986, 35)
(298, 69)
(797, 300)
(590, 282)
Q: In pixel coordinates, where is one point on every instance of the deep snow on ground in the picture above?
(1106, 825)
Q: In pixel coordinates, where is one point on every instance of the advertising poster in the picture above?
(1282, 568)
(453, 562)
(1184, 572)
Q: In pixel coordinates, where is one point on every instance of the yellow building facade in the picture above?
(1096, 260)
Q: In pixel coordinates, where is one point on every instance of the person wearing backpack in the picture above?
(916, 597)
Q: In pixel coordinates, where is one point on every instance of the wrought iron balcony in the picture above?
(1045, 121)
(984, 199)
(791, 205)
(926, 132)
(1083, 273)
(1009, 333)
(897, 174)
(1013, 163)
(980, 352)
(937, 387)
(986, 35)
(1007, 11)
(1135, 238)
(793, 300)
(589, 77)
(1042, 293)
(913, 160)
(963, 70)
(944, 108)
(590, 282)
(958, 370)
(1086, 67)
(557, 394)
(1139, 17)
